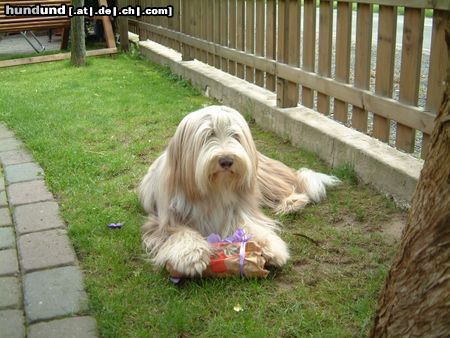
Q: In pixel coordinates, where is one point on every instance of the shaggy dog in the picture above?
(211, 179)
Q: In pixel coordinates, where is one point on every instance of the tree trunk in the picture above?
(78, 48)
(416, 295)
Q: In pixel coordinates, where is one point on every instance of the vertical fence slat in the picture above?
(438, 62)
(186, 51)
(232, 35)
(240, 34)
(203, 28)
(363, 51)
(343, 41)
(224, 30)
(271, 42)
(196, 15)
(216, 30)
(249, 37)
(287, 91)
(387, 29)
(280, 29)
(259, 39)
(309, 47)
(325, 50)
(410, 71)
(209, 30)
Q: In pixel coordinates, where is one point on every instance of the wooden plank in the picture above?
(325, 50)
(177, 22)
(195, 22)
(232, 34)
(224, 30)
(439, 59)
(271, 42)
(387, 29)
(343, 44)
(249, 37)
(410, 72)
(107, 27)
(383, 106)
(186, 51)
(280, 29)
(216, 30)
(53, 57)
(309, 47)
(363, 50)
(240, 34)
(203, 28)
(287, 91)
(436, 4)
(281, 57)
(259, 39)
(209, 32)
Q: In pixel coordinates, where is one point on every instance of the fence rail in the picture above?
(278, 45)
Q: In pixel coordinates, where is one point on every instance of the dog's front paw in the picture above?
(191, 263)
(275, 251)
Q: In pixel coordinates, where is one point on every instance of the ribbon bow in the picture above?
(239, 236)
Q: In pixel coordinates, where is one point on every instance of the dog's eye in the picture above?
(237, 137)
(212, 133)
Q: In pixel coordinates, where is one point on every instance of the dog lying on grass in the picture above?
(211, 179)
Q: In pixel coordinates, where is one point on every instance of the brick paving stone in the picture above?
(8, 262)
(9, 144)
(3, 199)
(28, 192)
(12, 324)
(10, 292)
(53, 293)
(75, 327)
(36, 217)
(7, 238)
(5, 132)
(15, 157)
(23, 172)
(45, 249)
(5, 217)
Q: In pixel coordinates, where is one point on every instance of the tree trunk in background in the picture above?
(416, 295)
(78, 48)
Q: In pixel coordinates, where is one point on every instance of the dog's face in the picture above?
(212, 150)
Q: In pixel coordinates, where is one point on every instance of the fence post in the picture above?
(289, 30)
(123, 28)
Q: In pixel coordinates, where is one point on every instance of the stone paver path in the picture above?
(41, 283)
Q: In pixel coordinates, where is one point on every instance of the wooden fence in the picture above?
(305, 54)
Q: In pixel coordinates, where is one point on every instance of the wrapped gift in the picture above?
(233, 256)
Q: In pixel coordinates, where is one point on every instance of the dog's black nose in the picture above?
(225, 162)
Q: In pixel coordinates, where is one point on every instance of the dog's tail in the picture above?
(314, 184)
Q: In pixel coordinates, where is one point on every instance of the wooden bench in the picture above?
(22, 23)
(14, 24)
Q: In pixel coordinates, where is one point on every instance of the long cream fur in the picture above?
(189, 192)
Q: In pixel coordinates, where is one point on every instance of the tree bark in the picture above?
(78, 48)
(416, 295)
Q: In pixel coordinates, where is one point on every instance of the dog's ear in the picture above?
(180, 159)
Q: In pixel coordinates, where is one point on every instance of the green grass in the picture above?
(95, 130)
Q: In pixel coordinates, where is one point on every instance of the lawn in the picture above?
(95, 130)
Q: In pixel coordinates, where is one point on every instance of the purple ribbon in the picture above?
(115, 225)
(239, 236)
